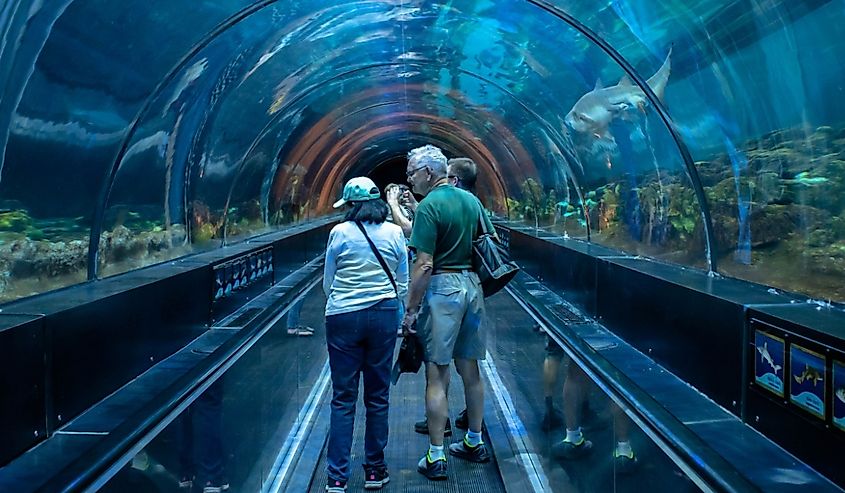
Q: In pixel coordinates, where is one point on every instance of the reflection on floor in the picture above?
(406, 446)
(264, 392)
(518, 350)
(261, 397)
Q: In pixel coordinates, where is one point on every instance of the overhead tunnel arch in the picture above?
(489, 52)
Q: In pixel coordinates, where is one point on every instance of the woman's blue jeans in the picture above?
(360, 342)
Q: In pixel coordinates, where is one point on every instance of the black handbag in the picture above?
(489, 261)
(410, 357)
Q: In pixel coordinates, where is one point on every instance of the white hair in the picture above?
(431, 156)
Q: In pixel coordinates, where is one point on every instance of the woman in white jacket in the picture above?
(361, 326)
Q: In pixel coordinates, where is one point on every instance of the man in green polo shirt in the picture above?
(450, 322)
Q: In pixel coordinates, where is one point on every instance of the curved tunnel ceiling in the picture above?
(221, 118)
(444, 88)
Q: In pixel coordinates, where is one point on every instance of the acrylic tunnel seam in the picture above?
(626, 66)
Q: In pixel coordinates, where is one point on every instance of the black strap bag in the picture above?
(490, 262)
(410, 357)
(378, 257)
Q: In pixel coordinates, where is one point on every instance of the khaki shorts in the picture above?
(451, 323)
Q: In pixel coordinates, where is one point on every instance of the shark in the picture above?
(840, 394)
(593, 113)
(766, 357)
(808, 374)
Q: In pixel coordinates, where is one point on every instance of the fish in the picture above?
(840, 394)
(808, 374)
(805, 179)
(593, 113)
(766, 357)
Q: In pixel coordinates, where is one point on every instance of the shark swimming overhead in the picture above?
(593, 113)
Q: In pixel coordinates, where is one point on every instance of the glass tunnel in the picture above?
(704, 134)
(705, 137)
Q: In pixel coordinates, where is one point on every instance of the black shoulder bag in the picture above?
(494, 269)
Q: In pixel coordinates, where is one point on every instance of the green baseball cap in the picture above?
(358, 189)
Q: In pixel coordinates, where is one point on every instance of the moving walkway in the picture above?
(247, 399)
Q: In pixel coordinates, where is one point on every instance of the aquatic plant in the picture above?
(16, 220)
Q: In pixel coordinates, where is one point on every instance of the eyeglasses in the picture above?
(411, 173)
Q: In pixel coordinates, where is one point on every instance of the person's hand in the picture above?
(409, 324)
(392, 195)
(409, 201)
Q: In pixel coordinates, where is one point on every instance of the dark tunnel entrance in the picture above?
(391, 170)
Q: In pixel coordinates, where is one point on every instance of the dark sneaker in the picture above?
(301, 330)
(570, 451)
(335, 486)
(462, 421)
(186, 483)
(625, 464)
(552, 420)
(435, 471)
(463, 450)
(375, 477)
(421, 427)
(212, 488)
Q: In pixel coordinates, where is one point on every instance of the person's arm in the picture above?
(402, 269)
(420, 279)
(330, 264)
(396, 211)
(487, 222)
(424, 241)
(409, 201)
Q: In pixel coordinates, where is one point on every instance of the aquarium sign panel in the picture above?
(839, 395)
(504, 237)
(769, 357)
(240, 272)
(807, 381)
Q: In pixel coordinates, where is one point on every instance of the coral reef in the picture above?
(777, 206)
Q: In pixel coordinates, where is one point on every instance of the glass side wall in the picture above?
(551, 393)
(756, 92)
(231, 435)
(163, 137)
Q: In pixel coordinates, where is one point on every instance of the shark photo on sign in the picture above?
(768, 364)
(594, 112)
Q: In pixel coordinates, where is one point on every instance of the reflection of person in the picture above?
(361, 315)
(574, 445)
(450, 320)
(552, 417)
(200, 428)
(293, 325)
